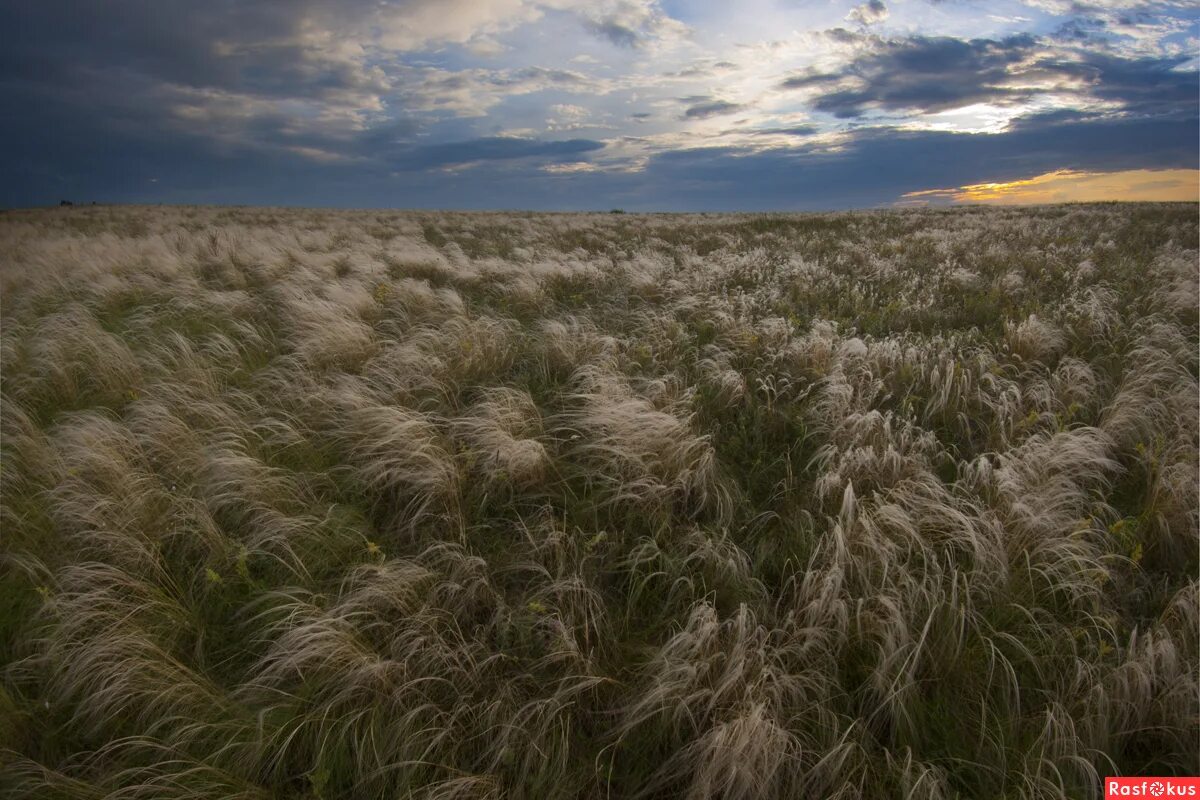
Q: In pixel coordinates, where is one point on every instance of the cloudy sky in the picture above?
(594, 104)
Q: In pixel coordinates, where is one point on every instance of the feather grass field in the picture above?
(316, 504)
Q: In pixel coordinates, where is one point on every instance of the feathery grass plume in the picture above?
(1034, 339)
(474, 350)
(1092, 317)
(29, 460)
(1046, 488)
(73, 363)
(919, 779)
(1175, 269)
(405, 460)
(718, 694)
(568, 343)
(154, 770)
(107, 505)
(306, 504)
(115, 640)
(686, 568)
(1147, 705)
(726, 384)
(26, 778)
(636, 454)
(876, 451)
(501, 431)
(466, 787)
(326, 335)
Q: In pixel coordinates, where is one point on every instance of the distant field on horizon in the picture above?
(915, 204)
(305, 503)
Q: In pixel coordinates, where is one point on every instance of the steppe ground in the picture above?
(307, 504)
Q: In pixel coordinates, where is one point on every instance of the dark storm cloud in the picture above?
(491, 149)
(551, 77)
(939, 73)
(1141, 85)
(135, 70)
(811, 78)
(929, 73)
(878, 165)
(714, 108)
(242, 45)
(260, 102)
(794, 130)
(1080, 29)
(874, 166)
(869, 13)
(631, 24)
(615, 32)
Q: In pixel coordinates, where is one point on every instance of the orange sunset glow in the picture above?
(1071, 186)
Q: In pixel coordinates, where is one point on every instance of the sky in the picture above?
(672, 105)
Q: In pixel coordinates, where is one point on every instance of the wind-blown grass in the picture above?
(364, 504)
